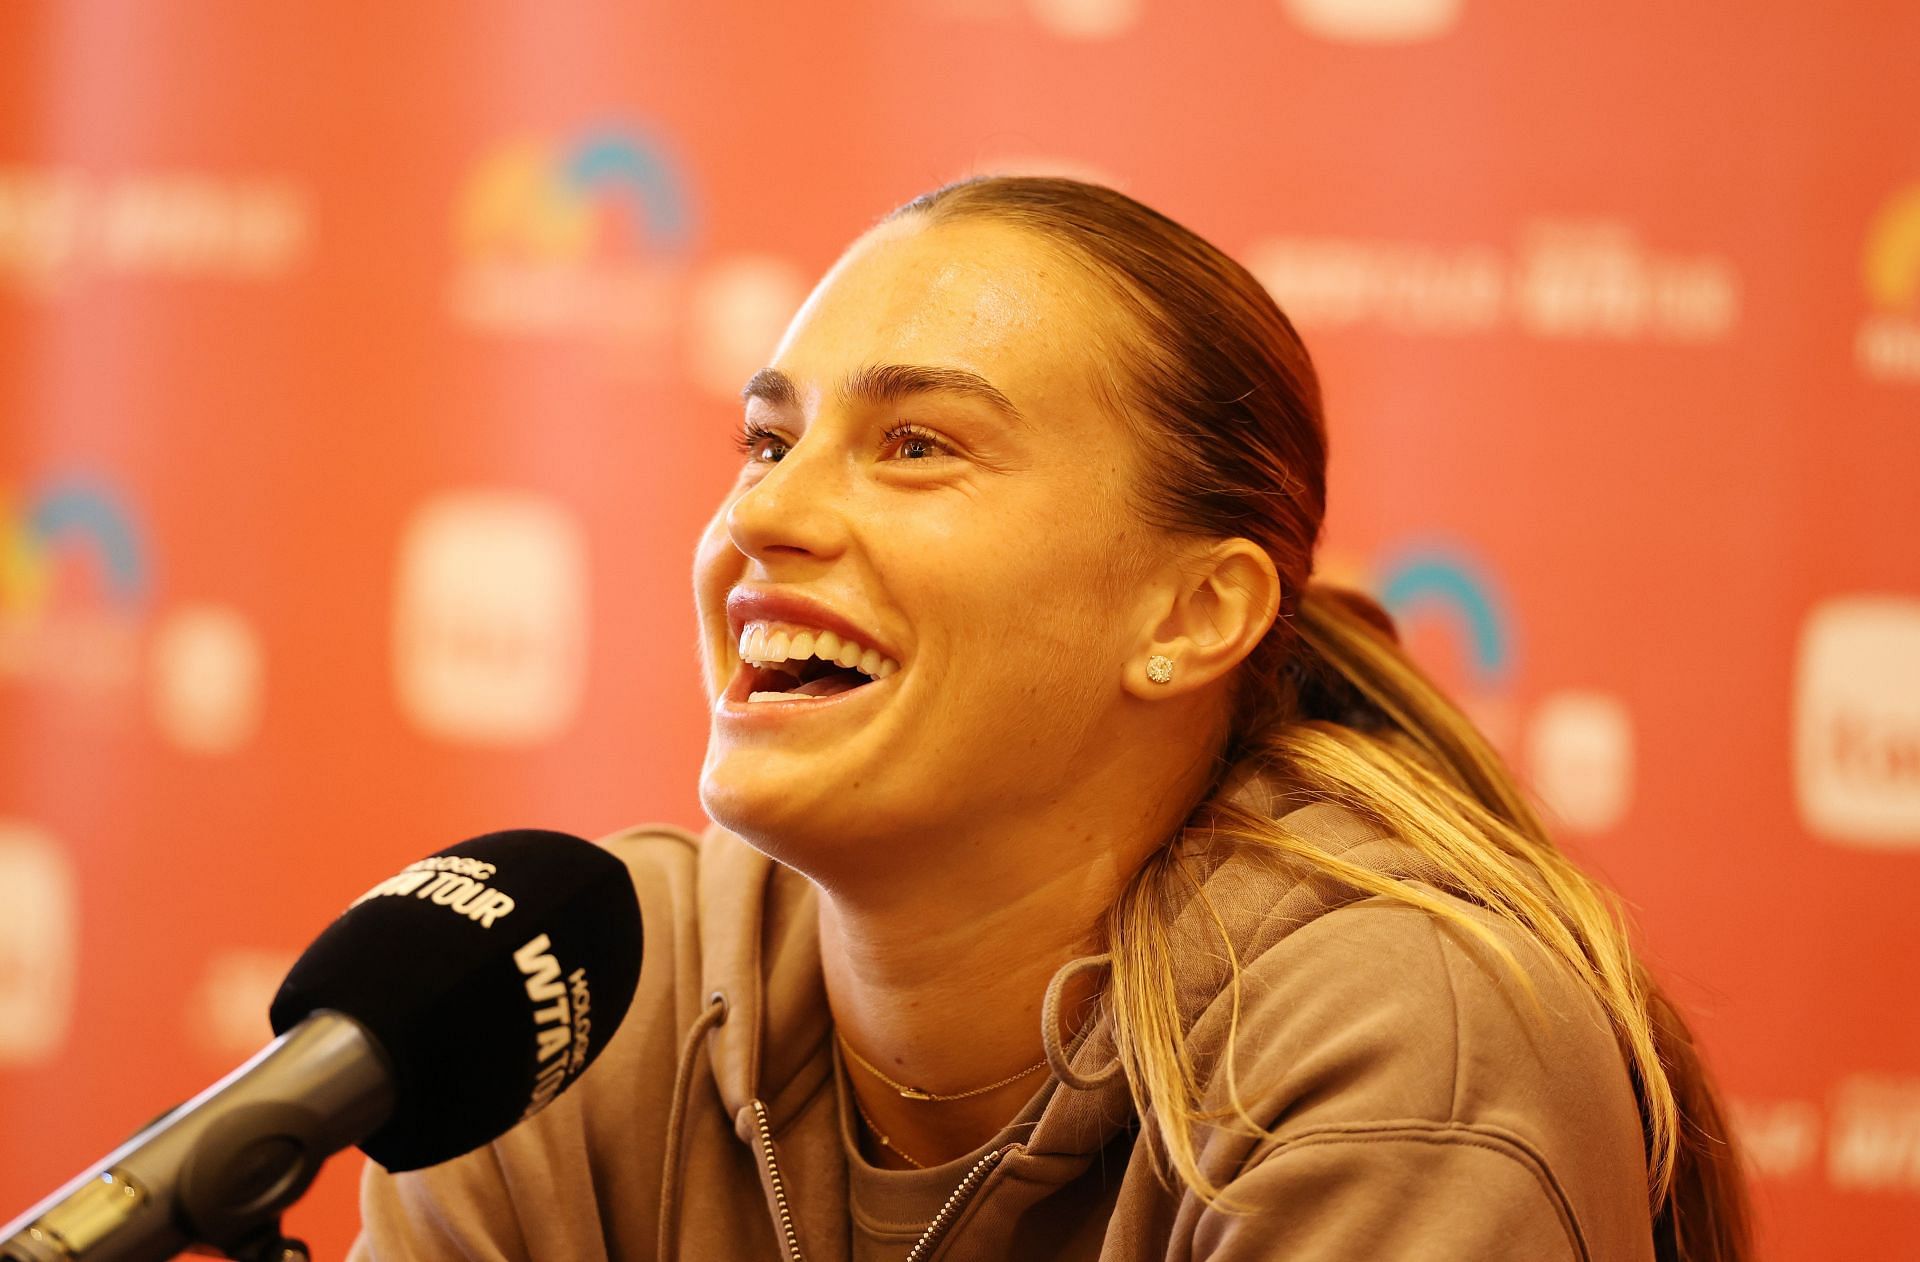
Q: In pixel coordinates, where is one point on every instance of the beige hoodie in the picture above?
(1418, 1108)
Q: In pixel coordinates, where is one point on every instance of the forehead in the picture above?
(981, 296)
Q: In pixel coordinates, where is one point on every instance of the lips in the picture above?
(773, 604)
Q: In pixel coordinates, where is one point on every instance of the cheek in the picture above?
(716, 563)
(1029, 607)
(717, 566)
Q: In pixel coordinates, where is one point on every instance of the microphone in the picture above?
(447, 1004)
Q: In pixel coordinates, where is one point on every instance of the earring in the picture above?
(1159, 669)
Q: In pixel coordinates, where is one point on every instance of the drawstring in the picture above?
(1050, 1027)
(714, 1015)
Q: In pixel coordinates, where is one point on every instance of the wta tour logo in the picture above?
(1578, 743)
(1887, 346)
(583, 237)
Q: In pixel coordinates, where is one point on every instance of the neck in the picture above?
(937, 947)
(948, 1001)
(937, 971)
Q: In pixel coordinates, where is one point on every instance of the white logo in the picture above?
(57, 224)
(1582, 758)
(1087, 19)
(1375, 21)
(490, 618)
(206, 679)
(39, 940)
(1588, 279)
(1875, 1134)
(1857, 721)
(562, 1029)
(740, 309)
(1887, 345)
(1780, 1138)
(227, 1011)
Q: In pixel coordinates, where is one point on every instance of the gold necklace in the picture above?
(881, 1135)
(920, 1093)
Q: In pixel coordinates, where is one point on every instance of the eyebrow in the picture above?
(888, 383)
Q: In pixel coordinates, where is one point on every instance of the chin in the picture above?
(789, 827)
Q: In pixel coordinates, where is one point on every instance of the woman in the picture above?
(1084, 881)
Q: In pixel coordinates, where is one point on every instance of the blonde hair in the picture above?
(1217, 388)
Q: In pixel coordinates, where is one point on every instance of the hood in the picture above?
(760, 951)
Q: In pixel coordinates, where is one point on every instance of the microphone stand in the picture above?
(271, 1246)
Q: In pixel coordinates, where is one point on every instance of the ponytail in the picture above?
(1349, 718)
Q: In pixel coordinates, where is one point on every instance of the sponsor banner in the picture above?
(61, 225)
(39, 944)
(1561, 280)
(490, 618)
(1856, 722)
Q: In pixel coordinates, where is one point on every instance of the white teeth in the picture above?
(762, 647)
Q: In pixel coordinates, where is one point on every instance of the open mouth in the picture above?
(795, 665)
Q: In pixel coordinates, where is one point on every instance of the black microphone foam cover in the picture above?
(491, 973)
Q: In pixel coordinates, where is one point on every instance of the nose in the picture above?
(795, 506)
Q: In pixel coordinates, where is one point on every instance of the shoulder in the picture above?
(646, 848)
(1438, 1016)
(1377, 1024)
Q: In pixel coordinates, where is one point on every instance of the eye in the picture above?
(912, 436)
(753, 436)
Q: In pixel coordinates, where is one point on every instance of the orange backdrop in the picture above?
(367, 374)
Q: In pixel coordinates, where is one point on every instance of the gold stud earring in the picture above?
(1159, 669)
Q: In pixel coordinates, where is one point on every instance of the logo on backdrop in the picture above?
(1563, 280)
(737, 311)
(582, 236)
(226, 1012)
(1868, 1126)
(74, 588)
(39, 942)
(76, 615)
(1449, 608)
(1856, 722)
(58, 224)
(1375, 21)
(490, 618)
(1344, 21)
(1887, 346)
(1578, 743)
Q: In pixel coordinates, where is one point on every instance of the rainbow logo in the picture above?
(1891, 263)
(609, 193)
(1445, 583)
(64, 536)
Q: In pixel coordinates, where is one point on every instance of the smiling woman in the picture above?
(1085, 880)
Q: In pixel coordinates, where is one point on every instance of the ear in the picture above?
(1209, 613)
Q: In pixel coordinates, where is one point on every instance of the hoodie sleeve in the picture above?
(461, 1209)
(1417, 1107)
(1393, 1194)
